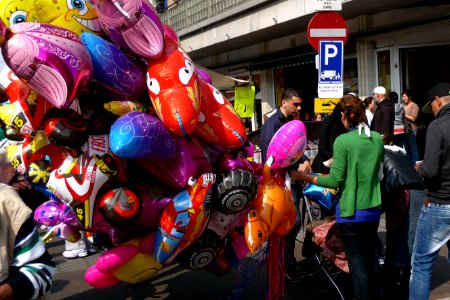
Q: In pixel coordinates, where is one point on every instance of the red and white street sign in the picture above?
(327, 25)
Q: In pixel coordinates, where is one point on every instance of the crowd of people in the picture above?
(357, 140)
(360, 138)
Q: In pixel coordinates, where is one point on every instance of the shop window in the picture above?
(351, 76)
(384, 69)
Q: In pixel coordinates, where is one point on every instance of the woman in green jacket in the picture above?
(356, 163)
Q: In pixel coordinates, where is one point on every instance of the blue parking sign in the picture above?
(331, 62)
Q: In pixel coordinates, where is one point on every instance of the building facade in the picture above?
(395, 43)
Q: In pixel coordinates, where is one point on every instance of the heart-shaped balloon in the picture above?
(114, 69)
(52, 60)
(133, 25)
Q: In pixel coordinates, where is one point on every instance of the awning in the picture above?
(220, 81)
(283, 62)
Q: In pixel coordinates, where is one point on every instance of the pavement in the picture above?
(247, 281)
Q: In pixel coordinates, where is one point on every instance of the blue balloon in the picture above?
(326, 197)
(115, 70)
(140, 135)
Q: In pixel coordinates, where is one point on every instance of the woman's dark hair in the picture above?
(393, 96)
(353, 109)
(407, 93)
(368, 101)
(289, 93)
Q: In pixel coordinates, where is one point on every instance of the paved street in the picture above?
(174, 282)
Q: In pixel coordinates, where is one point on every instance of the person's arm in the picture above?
(32, 268)
(431, 168)
(337, 172)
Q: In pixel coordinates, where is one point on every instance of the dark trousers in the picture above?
(359, 241)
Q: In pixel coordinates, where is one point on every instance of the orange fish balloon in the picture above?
(274, 208)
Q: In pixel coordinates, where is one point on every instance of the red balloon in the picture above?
(218, 122)
(172, 86)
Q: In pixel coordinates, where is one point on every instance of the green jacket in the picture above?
(355, 167)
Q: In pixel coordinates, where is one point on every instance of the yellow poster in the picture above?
(325, 105)
(244, 101)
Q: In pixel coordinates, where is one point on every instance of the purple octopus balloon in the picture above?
(133, 25)
(114, 69)
(52, 213)
(52, 60)
(140, 135)
(203, 75)
(288, 144)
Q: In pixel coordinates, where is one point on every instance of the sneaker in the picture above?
(77, 253)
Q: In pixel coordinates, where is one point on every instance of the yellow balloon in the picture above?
(140, 268)
(17, 11)
(76, 15)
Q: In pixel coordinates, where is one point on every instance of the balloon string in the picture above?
(45, 191)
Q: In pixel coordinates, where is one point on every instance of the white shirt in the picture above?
(369, 116)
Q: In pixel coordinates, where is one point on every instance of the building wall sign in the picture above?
(328, 5)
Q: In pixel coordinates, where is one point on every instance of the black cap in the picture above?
(439, 90)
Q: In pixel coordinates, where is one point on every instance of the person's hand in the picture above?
(305, 167)
(20, 183)
(418, 165)
(6, 292)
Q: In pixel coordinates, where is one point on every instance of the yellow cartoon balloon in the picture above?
(17, 11)
(76, 15)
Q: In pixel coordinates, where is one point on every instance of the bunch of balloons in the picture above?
(107, 115)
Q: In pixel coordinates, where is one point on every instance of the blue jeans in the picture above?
(359, 241)
(411, 147)
(433, 231)
(416, 200)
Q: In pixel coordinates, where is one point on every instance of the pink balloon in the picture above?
(133, 25)
(99, 280)
(191, 161)
(116, 257)
(170, 33)
(49, 213)
(52, 60)
(288, 144)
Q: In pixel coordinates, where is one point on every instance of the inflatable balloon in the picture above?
(218, 122)
(288, 144)
(133, 25)
(121, 108)
(201, 253)
(78, 179)
(63, 231)
(191, 161)
(273, 212)
(53, 212)
(169, 33)
(232, 161)
(138, 135)
(52, 60)
(172, 86)
(17, 11)
(39, 171)
(65, 128)
(234, 192)
(183, 219)
(119, 206)
(78, 16)
(17, 118)
(114, 69)
(203, 75)
(131, 262)
(324, 196)
(32, 149)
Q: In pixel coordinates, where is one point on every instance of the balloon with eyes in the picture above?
(218, 122)
(76, 15)
(173, 88)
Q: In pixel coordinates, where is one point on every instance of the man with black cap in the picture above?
(433, 227)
